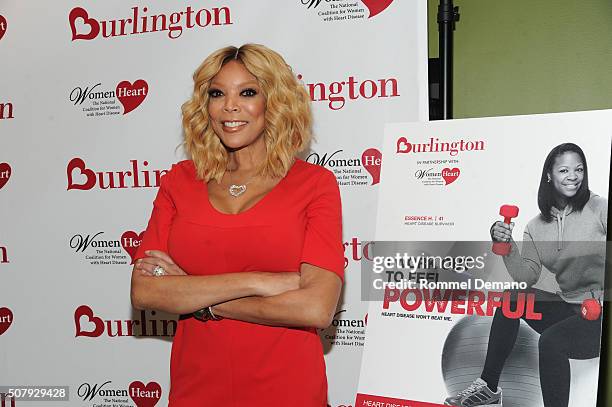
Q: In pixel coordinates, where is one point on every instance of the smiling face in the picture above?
(567, 174)
(236, 107)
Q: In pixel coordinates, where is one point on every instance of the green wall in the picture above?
(536, 56)
(530, 56)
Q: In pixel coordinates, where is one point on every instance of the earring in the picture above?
(548, 180)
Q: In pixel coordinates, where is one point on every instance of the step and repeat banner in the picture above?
(90, 96)
(445, 299)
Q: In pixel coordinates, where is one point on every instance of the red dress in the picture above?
(234, 363)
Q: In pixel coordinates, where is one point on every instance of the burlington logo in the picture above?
(436, 146)
(104, 102)
(356, 249)
(87, 324)
(85, 27)
(374, 7)
(6, 111)
(3, 255)
(337, 94)
(6, 319)
(5, 174)
(83, 178)
(347, 170)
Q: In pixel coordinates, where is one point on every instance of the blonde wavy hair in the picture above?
(288, 118)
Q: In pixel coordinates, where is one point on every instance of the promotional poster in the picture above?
(487, 274)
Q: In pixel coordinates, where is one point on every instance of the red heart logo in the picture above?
(371, 160)
(145, 396)
(85, 311)
(6, 319)
(376, 6)
(450, 174)
(131, 95)
(77, 163)
(94, 26)
(5, 174)
(3, 25)
(130, 241)
(403, 146)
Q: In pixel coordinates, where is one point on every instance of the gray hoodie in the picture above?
(572, 246)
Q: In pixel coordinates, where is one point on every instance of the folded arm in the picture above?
(313, 304)
(307, 299)
(179, 293)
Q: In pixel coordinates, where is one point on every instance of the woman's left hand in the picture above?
(158, 258)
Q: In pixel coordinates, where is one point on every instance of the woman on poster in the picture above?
(567, 238)
(244, 241)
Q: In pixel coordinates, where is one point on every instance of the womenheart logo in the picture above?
(5, 174)
(450, 175)
(145, 396)
(130, 241)
(6, 319)
(376, 6)
(371, 160)
(131, 95)
(3, 25)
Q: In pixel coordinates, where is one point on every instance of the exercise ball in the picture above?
(464, 355)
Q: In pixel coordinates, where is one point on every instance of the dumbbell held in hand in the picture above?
(508, 212)
(590, 309)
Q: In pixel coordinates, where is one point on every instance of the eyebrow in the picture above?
(240, 85)
(567, 166)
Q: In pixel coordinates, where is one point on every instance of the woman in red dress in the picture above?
(245, 241)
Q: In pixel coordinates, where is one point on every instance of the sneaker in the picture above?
(477, 394)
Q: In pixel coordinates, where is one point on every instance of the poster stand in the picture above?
(448, 15)
(432, 180)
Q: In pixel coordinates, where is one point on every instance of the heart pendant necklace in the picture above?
(237, 190)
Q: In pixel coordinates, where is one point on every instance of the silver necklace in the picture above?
(236, 190)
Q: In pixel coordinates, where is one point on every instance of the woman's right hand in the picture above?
(277, 283)
(147, 265)
(501, 232)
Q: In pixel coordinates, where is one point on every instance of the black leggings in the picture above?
(564, 334)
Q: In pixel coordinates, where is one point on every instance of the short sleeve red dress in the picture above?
(233, 363)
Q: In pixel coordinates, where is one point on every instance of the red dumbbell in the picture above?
(508, 212)
(590, 309)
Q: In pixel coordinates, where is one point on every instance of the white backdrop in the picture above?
(90, 95)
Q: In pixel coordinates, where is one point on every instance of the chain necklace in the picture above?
(236, 190)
